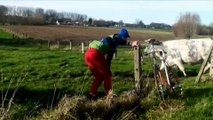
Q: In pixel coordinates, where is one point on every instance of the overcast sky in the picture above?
(161, 11)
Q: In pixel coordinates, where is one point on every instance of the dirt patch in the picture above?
(82, 34)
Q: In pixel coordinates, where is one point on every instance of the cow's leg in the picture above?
(207, 67)
(208, 63)
(181, 67)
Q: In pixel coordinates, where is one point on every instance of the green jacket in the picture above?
(108, 45)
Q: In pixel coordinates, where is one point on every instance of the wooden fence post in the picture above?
(58, 43)
(137, 68)
(89, 43)
(204, 64)
(70, 44)
(82, 47)
(211, 67)
(48, 44)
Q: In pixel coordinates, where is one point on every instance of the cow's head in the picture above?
(154, 48)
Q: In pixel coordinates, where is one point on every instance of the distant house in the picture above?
(158, 26)
(57, 23)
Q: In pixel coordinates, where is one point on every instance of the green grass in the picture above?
(5, 35)
(44, 72)
(203, 36)
(154, 31)
(50, 70)
(196, 104)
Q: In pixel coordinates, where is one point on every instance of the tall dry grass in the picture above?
(6, 100)
(79, 107)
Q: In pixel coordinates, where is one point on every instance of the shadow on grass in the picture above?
(32, 101)
(194, 95)
(190, 72)
(29, 42)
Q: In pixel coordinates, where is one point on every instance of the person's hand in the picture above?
(134, 43)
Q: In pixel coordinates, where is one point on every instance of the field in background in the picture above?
(84, 34)
(45, 76)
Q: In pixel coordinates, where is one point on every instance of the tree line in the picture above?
(35, 16)
(13, 15)
(186, 26)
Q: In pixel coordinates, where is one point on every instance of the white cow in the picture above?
(177, 52)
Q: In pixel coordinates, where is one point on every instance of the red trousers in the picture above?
(100, 70)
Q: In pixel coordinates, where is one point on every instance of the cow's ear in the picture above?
(146, 41)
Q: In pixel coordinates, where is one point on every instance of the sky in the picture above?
(159, 11)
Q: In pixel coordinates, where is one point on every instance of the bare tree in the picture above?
(50, 16)
(39, 12)
(211, 29)
(187, 25)
(3, 12)
(60, 15)
(121, 23)
(28, 12)
(90, 21)
(11, 10)
(140, 23)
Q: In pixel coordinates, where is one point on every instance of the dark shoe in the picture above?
(91, 97)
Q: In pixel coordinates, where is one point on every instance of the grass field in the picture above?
(44, 76)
